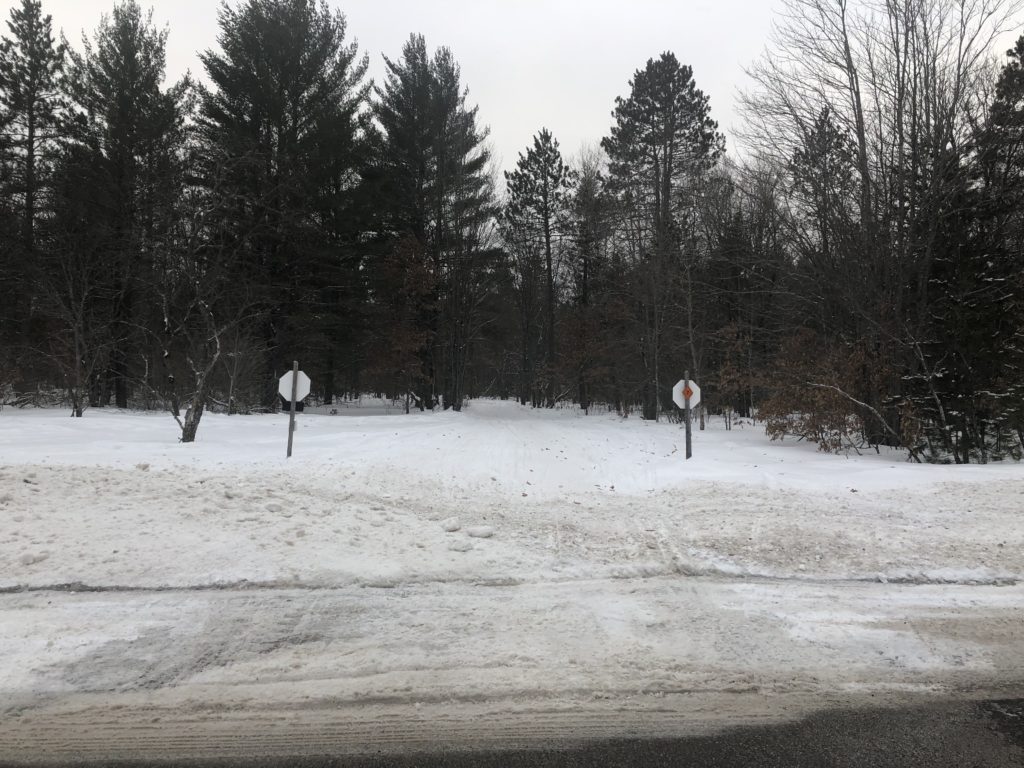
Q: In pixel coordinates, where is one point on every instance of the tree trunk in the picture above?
(119, 375)
(329, 383)
(550, 309)
(650, 402)
(190, 425)
(30, 183)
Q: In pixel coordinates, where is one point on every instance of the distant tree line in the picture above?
(855, 281)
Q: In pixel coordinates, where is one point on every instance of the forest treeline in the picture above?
(855, 280)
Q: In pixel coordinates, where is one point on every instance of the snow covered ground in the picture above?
(503, 558)
(114, 500)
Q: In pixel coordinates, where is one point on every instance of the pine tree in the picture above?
(281, 134)
(1002, 163)
(432, 162)
(400, 284)
(967, 387)
(134, 131)
(590, 228)
(526, 268)
(538, 196)
(281, 131)
(662, 141)
(973, 323)
(663, 136)
(77, 295)
(31, 64)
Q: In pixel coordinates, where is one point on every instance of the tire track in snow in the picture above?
(668, 649)
(614, 572)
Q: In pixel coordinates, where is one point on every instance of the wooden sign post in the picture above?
(295, 391)
(686, 395)
(687, 392)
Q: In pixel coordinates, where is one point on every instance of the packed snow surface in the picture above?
(113, 499)
(501, 554)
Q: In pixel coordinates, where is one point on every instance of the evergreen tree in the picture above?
(963, 371)
(434, 183)
(538, 196)
(526, 266)
(967, 387)
(1002, 168)
(31, 65)
(134, 130)
(663, 136)
(30, 71)
(662, 141)
(591, 217)
(280, 129)
(77, 295)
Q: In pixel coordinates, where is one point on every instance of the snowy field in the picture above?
(114, 500)
(502, 560)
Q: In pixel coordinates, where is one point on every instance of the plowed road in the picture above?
(275, 671)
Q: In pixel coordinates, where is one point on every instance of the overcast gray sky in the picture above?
(527, 63)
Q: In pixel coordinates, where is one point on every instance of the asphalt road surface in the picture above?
(986, 734)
